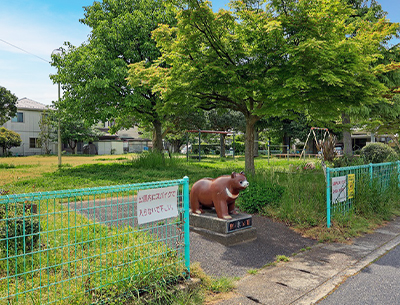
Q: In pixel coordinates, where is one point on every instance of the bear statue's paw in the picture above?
(227, 217)
(198, 212)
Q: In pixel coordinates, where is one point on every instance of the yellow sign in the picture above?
(351, 181)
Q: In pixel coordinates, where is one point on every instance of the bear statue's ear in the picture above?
(233, 175)
(242, 173)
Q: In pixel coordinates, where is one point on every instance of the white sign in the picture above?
(339, 189)
(157, 204)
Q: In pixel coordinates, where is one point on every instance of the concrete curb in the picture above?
(331, 284)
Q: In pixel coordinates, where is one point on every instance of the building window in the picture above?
(19, 118)
(33, 143)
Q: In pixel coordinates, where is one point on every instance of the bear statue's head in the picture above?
(239, 181)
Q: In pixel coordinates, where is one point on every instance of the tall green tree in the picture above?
(93, 74)
(8, 107)
(264, 58)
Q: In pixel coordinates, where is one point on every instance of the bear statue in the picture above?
(219, 193)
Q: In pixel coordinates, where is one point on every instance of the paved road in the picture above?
(378, 283)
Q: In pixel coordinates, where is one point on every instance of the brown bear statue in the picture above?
(219, 193)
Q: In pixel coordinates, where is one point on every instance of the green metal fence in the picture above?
(342, 183)
(93, 246)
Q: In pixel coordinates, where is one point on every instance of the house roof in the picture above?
(25, 103)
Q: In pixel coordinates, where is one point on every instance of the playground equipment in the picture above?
(322, 132)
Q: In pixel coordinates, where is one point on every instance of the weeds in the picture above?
(252, 271)
(282, 258)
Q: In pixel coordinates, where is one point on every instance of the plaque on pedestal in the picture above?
(227, 232)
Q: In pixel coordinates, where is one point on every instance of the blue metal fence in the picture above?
(343, 182)
(92, 246)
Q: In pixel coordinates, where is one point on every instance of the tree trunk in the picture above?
(176, 144)
(222, 144)
(249, 144)
(157, 137)
(348, 147)
(72, 145)
(285, 143)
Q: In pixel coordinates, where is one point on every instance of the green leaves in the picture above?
(8, 139)
(8, 106)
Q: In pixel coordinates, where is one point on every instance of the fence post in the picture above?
(398, 173)
(328, 198)
(288, 148)
(186, 221)
(371, 173)
(199, 145)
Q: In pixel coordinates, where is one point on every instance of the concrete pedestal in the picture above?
(227, 232)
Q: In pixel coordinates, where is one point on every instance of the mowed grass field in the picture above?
(14, 168)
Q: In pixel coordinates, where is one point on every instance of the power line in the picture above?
(24, 50)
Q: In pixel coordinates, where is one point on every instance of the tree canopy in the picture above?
(93, 74)
(265, 58)
(8, 107)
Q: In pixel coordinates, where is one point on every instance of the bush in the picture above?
(345, 161)
(378, 153)
(258, 195)
(19, 232)
(239, 148)
(153, 160)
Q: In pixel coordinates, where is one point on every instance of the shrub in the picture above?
(153, 160)
(19, 232)
(378, 153)
(258, 195)
(239, 148)
(345, 161)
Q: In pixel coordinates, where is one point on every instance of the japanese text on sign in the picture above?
(339, 187)
(351, 181)
(157, 204)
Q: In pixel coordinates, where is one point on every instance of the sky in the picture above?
(30, 30)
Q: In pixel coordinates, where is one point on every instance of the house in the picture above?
(361, 138)
(124, 141)
(26, 124)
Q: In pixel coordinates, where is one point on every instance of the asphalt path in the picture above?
(378, 283)
(273, 238)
